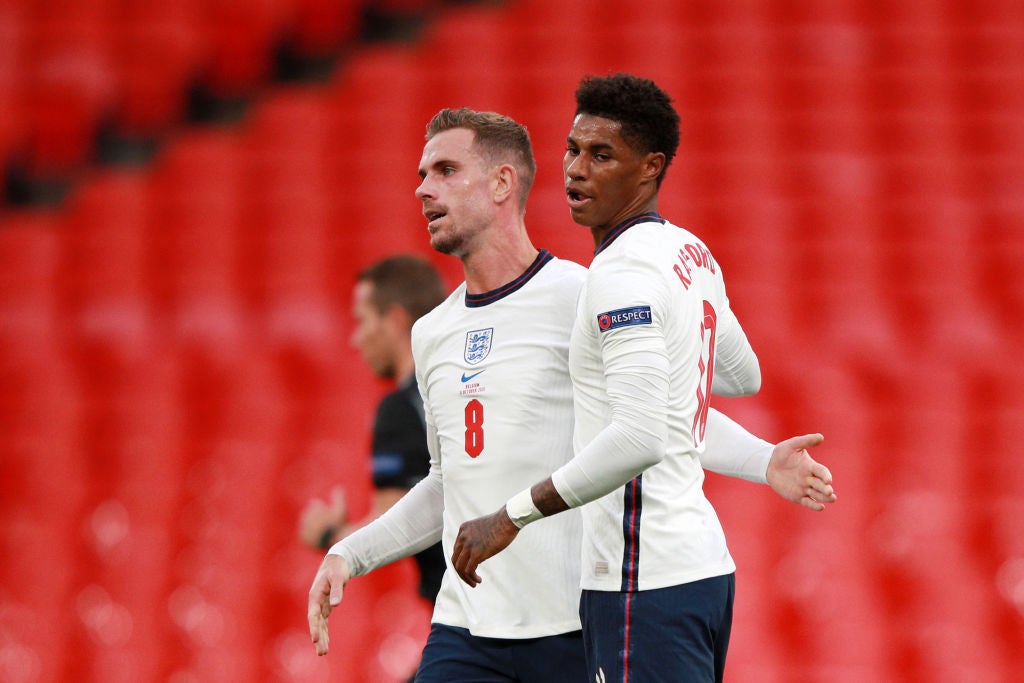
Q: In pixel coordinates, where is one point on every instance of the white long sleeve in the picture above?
(731, 450)
(409, 526)
(635, 438)
(493, 374)
(737, 370)
(654, 308)
(412, 524)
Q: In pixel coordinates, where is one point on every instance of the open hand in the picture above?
(799, 478)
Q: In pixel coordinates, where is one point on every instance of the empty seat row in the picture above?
(73, 71)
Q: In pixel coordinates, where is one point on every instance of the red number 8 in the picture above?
(474, 428)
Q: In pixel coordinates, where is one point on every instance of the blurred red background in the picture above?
(183, 219)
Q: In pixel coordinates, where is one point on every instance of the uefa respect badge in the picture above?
(624, 317)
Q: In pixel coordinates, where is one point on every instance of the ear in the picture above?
(505, 181)
(652, 165)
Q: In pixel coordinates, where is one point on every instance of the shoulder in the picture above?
(690, 243)
(557, 272)
(654, 236)
(565, 268)
(565, 277)
(434, 320)
(652, 247)
(638, 267)
(635, 253)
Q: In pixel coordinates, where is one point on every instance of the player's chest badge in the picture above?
(478, 345)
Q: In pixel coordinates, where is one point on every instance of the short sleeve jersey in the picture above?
(400, 459)
(656, 288)
(493, 372)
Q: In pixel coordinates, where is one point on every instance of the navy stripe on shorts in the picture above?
(678, 633)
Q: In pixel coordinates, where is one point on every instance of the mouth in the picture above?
(576, 198)
(433, 216)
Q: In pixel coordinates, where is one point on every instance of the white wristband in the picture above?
(521, 510)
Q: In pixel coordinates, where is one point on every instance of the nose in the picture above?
(422, 192)
(575, 167)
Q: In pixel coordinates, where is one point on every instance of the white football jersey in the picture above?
(656, 288)
(493, 373)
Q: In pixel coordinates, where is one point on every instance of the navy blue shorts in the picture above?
(454, 655)
(679, 633)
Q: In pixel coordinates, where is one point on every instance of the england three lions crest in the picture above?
(478, 345)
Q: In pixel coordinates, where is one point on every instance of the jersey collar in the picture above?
(649, 217)
(477, 300)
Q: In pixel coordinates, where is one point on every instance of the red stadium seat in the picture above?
(405, 7)
(158, 51)
(12, 123)
(238, 416)
(29, 279)
(293, 225)
(323, 27)
(382, 137)
(41, 452)
(479, 32)
(196, 238)
(43, 491)
(68, 90)
(106, 261)
(242, 37)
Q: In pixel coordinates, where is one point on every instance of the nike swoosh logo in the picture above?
(466, 378)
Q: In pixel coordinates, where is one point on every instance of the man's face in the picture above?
(456, 191)
(374, 334)
(602, 173)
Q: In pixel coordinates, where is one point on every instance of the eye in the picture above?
(571, 151)
(448, 170)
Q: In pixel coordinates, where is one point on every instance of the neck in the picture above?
(633, 209)
(499, 260)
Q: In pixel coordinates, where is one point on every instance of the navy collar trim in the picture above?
(649, 217)
(477, 300)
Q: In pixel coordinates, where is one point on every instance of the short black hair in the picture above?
(649, 121)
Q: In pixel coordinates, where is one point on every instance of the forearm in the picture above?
(731, 450)
(383, 499)
(635, 437)
(540, 500)
(617, 455)
(633, 441)
(409, 526)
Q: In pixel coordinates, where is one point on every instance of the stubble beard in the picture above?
(448, 242)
